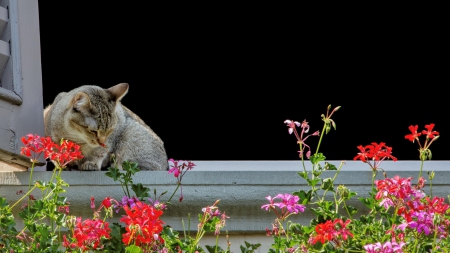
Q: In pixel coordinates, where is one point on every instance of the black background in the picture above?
(216, 83)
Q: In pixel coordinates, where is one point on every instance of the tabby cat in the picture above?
(95, 119)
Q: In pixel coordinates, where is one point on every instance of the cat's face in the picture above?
(92, 116)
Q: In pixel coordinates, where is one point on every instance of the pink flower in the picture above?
(388, 247)
(291, 124)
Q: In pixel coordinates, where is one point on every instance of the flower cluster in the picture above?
(178, 168)
(288, 205)
(61, 154)
(401, 216)
(300, 139)
(335, 231)
(87, 235)
(375, 153)
(143, 225)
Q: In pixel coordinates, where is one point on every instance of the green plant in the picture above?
(43, 216)
(401, 217)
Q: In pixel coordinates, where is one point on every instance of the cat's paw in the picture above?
(89, 166)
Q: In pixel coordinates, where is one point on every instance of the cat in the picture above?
(95, 119)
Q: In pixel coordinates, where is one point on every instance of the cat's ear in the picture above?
(81, 101)
(118, 91)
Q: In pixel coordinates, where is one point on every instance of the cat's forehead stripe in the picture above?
(103, 109)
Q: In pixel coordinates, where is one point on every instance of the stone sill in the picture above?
(240, 185)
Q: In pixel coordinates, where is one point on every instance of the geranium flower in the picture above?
(429, 132)
(61, 154)
(423, 222)
(324, 232)
(341, 228)
(142, 224)
(431, 136)
(300, 140)
(374, 152)
(88, 234)
(414, 134)
(388, 247)
(288, 205)
(335, 231)
(291, 124)
(179, 168)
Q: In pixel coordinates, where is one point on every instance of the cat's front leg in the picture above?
(94, 161)
(90, 165)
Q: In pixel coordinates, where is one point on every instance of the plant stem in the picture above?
(178, 186)
(420, 172)
(320, 139)
(346, 209)
(25, 195)
(29, 184)
(374, 174)
(217, 243)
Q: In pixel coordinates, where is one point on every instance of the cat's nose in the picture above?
(101, 139)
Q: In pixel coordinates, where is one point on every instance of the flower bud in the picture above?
(70, 221)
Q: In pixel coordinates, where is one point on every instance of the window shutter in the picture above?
(21, 106)
(10, 78)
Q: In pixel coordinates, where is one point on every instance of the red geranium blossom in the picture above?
(335, 231)
(429, 132)
(142, 224)
(375, 152)
(414, 134)
(61, 154)
(88, 234)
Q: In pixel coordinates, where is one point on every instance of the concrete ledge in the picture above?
(240, 187)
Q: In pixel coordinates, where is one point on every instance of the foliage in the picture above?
(402, 217)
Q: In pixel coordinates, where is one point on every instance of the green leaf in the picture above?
(352, 210)
(369, 202)
(303, 174)
(113, 173)
(327, 184)
(316, 158)
(131, 167)
(308, 229)
(305, 197)
(133, 249)
(212, 249)
(249, 247)
(329, 166)
(3, 202)
(313, 182)
(140, 190)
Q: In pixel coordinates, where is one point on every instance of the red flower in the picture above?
(375, 152)
(34, 146)
(414, 134)
(424, 149)
(397, 187)
(436, 205)
(324, 232)
(60, 154)
(88, 235)
(331, 231)
(65, 153)
(364, 154)
(92, 202)
(142, 224)
(107, 202)
(342, 228)
(430, 133)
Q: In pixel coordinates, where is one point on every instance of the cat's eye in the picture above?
(80, 124)
(93, 131)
